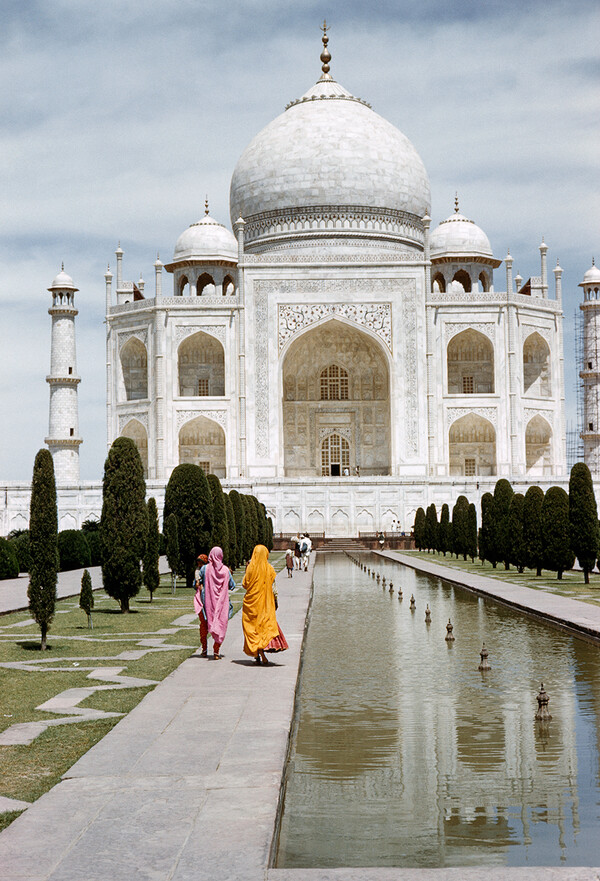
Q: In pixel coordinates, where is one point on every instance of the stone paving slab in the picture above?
(480, 873)
(204, 751)
(564, 611)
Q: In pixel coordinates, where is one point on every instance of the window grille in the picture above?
(468, 385)
(334, 384)
(335, 450)
(470, 469)
(202, 388)
(205, 467)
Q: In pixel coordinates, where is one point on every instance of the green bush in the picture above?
(91, 530)
(532, 528)
(22, 548)
(9, 563)
(558, 555)
(583, 518)
(73, 550)
(220, 530)
(419, 529)
(188, 496)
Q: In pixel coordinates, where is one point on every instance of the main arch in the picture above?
(336, 403)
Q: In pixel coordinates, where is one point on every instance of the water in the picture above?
(406, 755)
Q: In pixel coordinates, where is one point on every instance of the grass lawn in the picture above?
(29, 677)
(571, 584)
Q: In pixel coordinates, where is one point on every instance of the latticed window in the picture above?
(470, 469)
(334, 384)
(335, 455)
(468, 386)
(205, 467)
(203, 387)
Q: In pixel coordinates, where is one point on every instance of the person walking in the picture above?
(306, 548)
(289, 561)
(297, 551)
(259, 623)
(215, 581)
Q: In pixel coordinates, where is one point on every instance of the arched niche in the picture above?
(134, 364)
(202, 442)
(472, 447)
(464, 279)
(484, 281)
(438, 283)
(138, 434)
(183, 288)
(354, 403)
(228, 286)
(205, 286)
(536, 366)
(538, 447)
(470, 364)
(201, 366)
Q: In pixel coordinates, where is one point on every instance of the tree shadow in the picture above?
(33, 646)
(114, 612)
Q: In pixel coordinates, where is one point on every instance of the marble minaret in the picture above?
(63, 433)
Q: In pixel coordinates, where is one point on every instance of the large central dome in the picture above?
(329, 162)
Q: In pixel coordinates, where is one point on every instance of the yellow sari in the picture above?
(258, 611)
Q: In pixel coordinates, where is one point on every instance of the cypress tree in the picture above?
(250, 526)
(86, 597)
(444, 530)
(124, 522)
(419, 529)
(503, 493)
(583, 518)
(261, 520)
(269, 534)
(9, 560)
(43, 542)
(532, 528)
(487, 542)
(558, 555)
(73, 550)
(220, 531)
(471, 518)
(91, 530)
(238, 513)
(172, 549)
(518, 548)
(431, 528)
(460, 542)
(151, 574)
(188, 497)
(231, 531)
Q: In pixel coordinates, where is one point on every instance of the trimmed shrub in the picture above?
(73, 550)
(460, 527)
(231, 531)
(220, 530)
(91, 530)
(444, 531)
(172, 548)
(518, 552)
(419, 529)
(558, 555)
(532, 529)
(503, 493)
(188, 497)
(430, 536)
(86, 597)
(487, 533)
(238, 514)
(9, 562)
(124, 523)
(21, 546)
(472, 532)
(43, 540)
(583, 518)
(151, 575)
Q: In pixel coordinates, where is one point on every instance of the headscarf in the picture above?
(216, 594)
(259, 572)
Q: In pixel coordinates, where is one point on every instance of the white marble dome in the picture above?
(329, 149)
(460, 237)
(63, 282)
(592, 276)
(204, 241)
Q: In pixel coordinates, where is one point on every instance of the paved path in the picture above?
(184, 787)
(564, 611)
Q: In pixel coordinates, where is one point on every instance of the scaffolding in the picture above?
(587, 359)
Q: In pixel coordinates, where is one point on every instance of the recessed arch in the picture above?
(138, 434)
(201, 366)
(538, 446)
(470, 357)
(536, 366)
(484, 281)
(228, 286)
(183, 289)
(463, 278)
(202, 442)
(205, 286)
(134, 365)
(472, 446)
(355, 405)
(438, 283)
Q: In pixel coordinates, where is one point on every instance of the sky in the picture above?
(118, 118)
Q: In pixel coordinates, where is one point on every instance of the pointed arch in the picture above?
(470, 357)
(183, 288)
(538, 446)
(138, 434)
(463, 278)
(134, 365)
(205, 285)
(201, 366)
(536, 366)
(228, 287)
(202, 442)
(438, 283)
(472, 446)
(484, 281)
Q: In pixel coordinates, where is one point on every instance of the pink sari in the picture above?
(216, 595)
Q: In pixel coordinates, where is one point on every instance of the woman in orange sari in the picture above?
(261, 630)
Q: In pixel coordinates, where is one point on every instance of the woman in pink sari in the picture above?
(215, 582)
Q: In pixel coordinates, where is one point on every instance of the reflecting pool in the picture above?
(406, 755)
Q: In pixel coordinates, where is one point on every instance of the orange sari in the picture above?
(258, 611)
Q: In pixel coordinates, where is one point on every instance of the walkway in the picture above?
(563, 611)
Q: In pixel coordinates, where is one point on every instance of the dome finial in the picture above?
(325, 54)
(456, 202)
(62, 266)
(206, 205)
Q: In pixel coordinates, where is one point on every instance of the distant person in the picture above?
(297, 552)
(394, 525)
(357, 471)
(381, 540)
(261, 630)
(346, 472)
(212, 599)
(289, 561)
(306, 548)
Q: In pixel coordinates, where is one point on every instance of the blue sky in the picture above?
(116, 118)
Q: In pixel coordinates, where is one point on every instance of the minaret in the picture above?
(590, 369)
(63, 433)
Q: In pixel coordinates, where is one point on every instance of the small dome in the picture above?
(457, 236)
(592, 276)
(63, 282)
(206, 240)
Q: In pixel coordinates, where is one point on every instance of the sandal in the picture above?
(204, 654)
(217, 657)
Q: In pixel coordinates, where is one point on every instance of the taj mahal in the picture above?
(334, 352)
